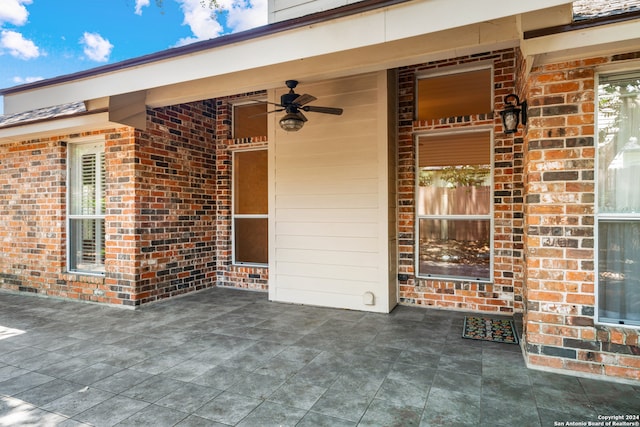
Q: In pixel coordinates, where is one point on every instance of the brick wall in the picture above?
(169, 240)
(504, 293)
(560, 329)
(33, 220)
(160, 211)
(229, 275)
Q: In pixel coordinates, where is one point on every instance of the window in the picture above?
(249, 120)
(618, 210)
(250, 207)
(86, 210)
(454, 95)
(454, 200)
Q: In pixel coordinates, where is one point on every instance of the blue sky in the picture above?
(40, 39)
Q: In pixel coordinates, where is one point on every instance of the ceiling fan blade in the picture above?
(260, 101)
(266, 112)
(304, 99)
(325, 110)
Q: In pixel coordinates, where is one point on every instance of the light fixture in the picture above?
(511, 114)
(292, 121)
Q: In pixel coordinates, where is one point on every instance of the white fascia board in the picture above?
(592, 41)
(54, 127)
(439, 15)
(366, 29)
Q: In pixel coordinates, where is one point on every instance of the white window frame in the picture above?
(95, 145)
(489, 216)
(243, 216)
(607, 217)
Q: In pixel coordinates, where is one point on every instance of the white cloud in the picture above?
(21, 80)
(204, 22)
(17, 46)
(244, 15)
(96, 47)
(201, 21)
(140, 4)
(14, 12)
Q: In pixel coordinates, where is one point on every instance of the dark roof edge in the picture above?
(265, 30)
(582, 24)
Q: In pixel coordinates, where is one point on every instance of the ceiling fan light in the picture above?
(291, 122)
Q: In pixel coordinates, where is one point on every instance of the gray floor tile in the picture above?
(342, 404)
(8, 345)
(471, 348)
(458, 381)
(165, 363)
(280, 367)
(220, 377)
(188, 397)
(122, 380)
(446, 408)
(77, 401)
(72, 423)
(497, 412)
(23, 382)
(571, 404)
(154, 416)
(48, 392)
(57, 343)
(122, 357)
(318, 374)
(257, 385)
(314, 419)
(552, 380)
(66, 367)
(153, 389)
(299, 354)
(270, 414)
(297, 395)
(79, 348)
(418, 376)
(428, 360)
(27, 415)
(111, 411)
(92, 373)
(42, 360)
(460, 363)
(506, 391)
(228, 408)
(384, 413)
(8, 372)
(396, 391)
(158, 364)
(21, 354)
(188, 370)
(196, 421)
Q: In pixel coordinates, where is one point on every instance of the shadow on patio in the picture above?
(226, 357)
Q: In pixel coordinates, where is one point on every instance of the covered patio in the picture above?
(228, 357)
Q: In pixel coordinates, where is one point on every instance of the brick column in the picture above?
(560, 329)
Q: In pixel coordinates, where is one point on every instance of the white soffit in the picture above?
(499, 34)
(603, 40)
(376, 27)
(55, 127)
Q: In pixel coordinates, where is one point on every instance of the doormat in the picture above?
(487, 329)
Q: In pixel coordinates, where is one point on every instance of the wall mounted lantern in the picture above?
(511, 114)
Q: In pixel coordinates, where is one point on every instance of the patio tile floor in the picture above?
(223, 357)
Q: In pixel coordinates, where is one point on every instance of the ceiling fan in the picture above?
(294, 104)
